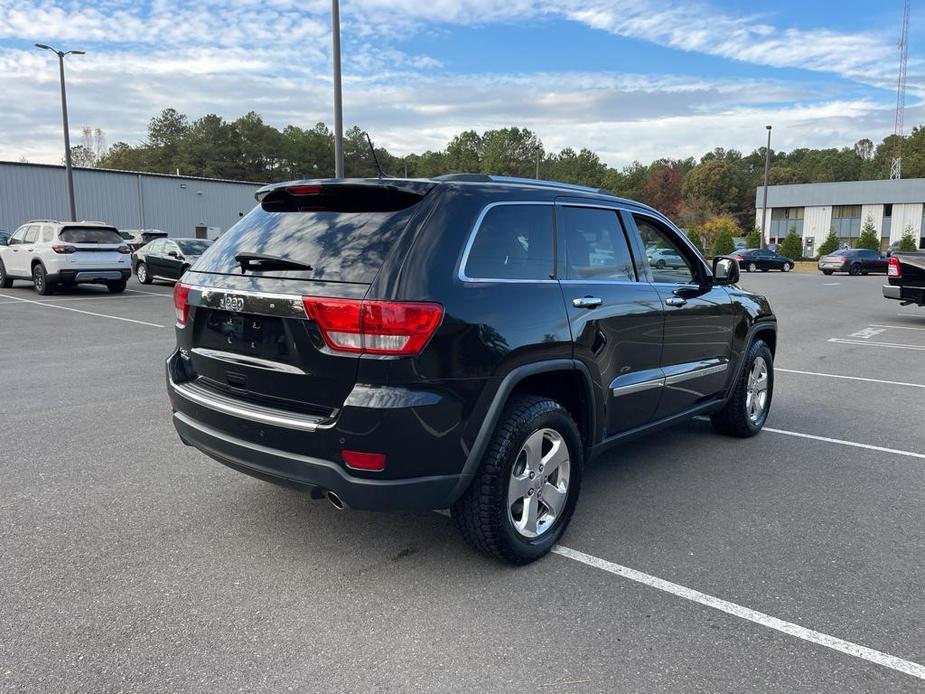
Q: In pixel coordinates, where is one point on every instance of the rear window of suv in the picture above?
(90, 235)
(339, 246)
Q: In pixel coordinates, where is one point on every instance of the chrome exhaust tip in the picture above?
(335, 500)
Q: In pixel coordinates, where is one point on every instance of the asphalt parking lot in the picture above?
(794, 561)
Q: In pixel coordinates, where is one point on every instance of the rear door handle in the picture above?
(587, 302)
(675, 301)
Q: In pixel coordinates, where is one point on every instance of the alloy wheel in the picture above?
(756, 390)
(539, 485)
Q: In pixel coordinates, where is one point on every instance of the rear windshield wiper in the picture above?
(258, 261)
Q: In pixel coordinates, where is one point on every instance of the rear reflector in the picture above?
(894, 269)
(398, 328)
(364, 461)
(180, 302)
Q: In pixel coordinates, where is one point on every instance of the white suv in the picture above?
(51, 253)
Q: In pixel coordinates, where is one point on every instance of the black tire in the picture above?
(40, 280)
(855, 269)
(116, 286)
(5, 281)
(660, 264)
(751, 267)
(734, 419)
(141, 272)
(482, 513)
(827, 272)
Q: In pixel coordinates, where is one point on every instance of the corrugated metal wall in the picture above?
(175, 204)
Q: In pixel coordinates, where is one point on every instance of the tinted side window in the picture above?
(31, 232)
(667, 262)
(18, 236)
(513, 242)
(154, 247)
(595, 245)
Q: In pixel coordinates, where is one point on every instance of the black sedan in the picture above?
(753, 259)
(166, 259)
(854, 261)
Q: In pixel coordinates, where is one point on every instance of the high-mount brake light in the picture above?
(364, 326)
(181, 302)
(304, 190)
(894, 269)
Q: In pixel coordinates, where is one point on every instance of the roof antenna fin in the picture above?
(372, 150)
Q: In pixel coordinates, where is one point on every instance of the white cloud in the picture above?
(231, 56)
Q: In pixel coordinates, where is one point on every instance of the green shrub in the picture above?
(723, 243)
(695, 238)
(753, 240)
(830, 244)
(907, 242)
(792, 247)
(869, 237)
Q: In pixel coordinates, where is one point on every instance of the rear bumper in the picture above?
(915, 295)
(90, 275)
(314, 474)
(424, 468)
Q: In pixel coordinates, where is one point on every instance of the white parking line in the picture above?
(847, 647)
(894, 345)
(138, 291)
(777, 369)
(99, 297)
(88, 313)
(841, 442)
(896, 327)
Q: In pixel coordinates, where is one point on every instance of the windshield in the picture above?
(90, 235)
(193, 246)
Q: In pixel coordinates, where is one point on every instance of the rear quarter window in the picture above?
(90, 235)
(513, 242)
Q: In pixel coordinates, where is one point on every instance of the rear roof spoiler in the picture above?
(342, 186)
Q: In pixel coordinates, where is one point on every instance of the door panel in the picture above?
(697, 347)
(616, 321)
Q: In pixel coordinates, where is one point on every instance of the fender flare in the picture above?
(760, 326)
(500, 400)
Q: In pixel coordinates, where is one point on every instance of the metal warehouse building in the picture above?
(815, 208)
(179, 205)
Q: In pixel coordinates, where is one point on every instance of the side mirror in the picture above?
(725, 270)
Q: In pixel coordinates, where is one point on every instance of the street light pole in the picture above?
(764, 205)
(72, 208)
(338, 97)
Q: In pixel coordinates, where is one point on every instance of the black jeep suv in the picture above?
(464, 342)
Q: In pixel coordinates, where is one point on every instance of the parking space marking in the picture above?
(842, 442)
(89, 313)
(894, 345)
(831, 284)
(99, 297)
(866, 333)
(850, 378)
(138, 291)
(847, 647)
(896, 327)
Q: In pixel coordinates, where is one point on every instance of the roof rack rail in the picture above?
(490, 178)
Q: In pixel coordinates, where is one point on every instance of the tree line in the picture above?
(721, 183)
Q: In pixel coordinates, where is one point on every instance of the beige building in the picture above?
(813, 209)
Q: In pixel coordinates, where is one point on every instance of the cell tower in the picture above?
(896, 165)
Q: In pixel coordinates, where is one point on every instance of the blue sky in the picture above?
(635, 79)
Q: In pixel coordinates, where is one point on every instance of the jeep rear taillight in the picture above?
(181, 302)
(894, 269)
(396, 328)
